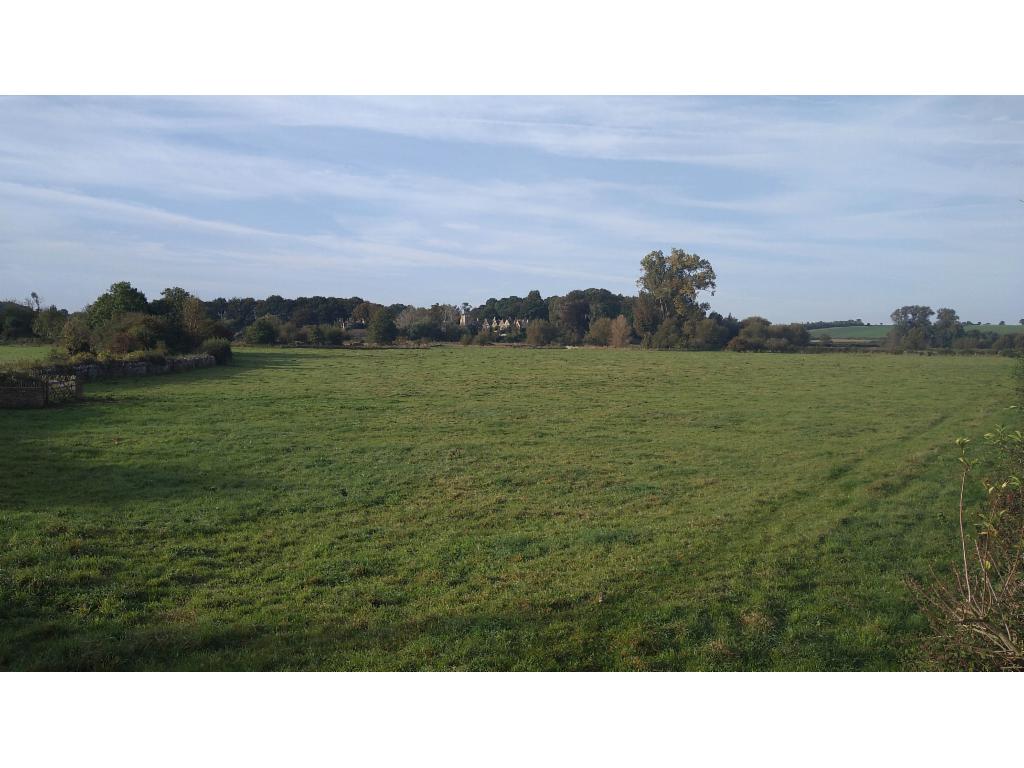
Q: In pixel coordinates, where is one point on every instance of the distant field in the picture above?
(11, 353)
(479, 508)
(879, 331)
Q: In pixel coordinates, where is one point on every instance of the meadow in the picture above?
(485, 508)
(878, 332)
(21, 353)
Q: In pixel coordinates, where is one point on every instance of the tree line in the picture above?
(121, 322)
(671, 310)
(913, 329)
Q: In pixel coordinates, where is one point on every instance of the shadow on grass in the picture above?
(77, 453)
(478, 640)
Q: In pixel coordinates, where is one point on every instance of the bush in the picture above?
(16, 320)
(668, 335)
(745, 344)
(621, 333)
(75, 337)
(382, 328)
(424, 330)
(334, 334)
(262, 331)
(128, 332)
(540, 333)
(977, 614)
(712, 332)
(49, 323)
(219, 348)
(219, 330)
(600, 332)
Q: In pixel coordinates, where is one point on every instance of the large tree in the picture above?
(171, 303)
(573, 318)
(121, 298)
(675, 283)
(911, 327)
(947, 327)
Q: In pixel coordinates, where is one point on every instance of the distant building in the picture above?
(503, 325)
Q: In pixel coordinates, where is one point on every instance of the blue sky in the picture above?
(808, 208)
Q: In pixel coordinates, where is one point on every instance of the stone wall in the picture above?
(25, 395)
(40, 387)
(63, 389)
(123, 369)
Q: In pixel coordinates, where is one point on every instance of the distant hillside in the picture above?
(880, 331)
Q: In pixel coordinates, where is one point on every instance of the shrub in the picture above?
(425, 330)
(621, 332)
(219, 330)
(219, 348)
(745, 344)
(334, 334)
(668, 336)
(128, 332)
(381, 329)
(262, 331)
(540, 333)
(796, 334)
(75, 337)
(977, 613)
(600, 332)
(49, 323)
(712, 332)
(15, 320)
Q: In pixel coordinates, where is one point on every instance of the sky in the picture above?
(808, 208)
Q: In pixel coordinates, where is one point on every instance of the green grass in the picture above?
(18, 353)
(880, 331)
(476, 508)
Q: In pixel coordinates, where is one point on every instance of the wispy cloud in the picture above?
(807, 207)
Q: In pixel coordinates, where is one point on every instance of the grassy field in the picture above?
(478, 508)
(880, 331)
(16, 353)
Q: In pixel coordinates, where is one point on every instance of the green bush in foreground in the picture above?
(219, 348)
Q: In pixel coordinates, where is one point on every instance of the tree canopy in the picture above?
(675, 282)
(120, 298)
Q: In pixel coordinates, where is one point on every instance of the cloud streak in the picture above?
(807, 207)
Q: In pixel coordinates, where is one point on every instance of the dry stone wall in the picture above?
(124, 369)
(60, 384)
